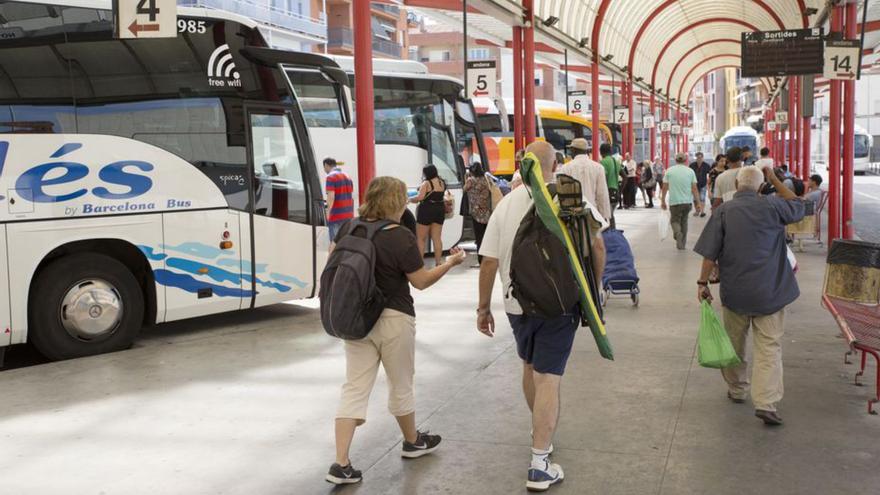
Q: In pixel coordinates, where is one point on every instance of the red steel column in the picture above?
(790, 126)
(653, 137)
(664, 137)
(805, 148)
(363, 70)
(517, 89)
(630, 139)
(529, 70)
(849, 122)
(834, 143)
(594, 97)
(797, 127)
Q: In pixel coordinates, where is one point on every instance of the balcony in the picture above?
(344, 38)
(386, 9)
(265, 13)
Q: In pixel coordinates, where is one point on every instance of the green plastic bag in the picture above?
(714, 349)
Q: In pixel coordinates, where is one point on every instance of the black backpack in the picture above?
(542, 280)
(351, 303)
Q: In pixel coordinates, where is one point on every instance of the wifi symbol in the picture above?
(221, 64)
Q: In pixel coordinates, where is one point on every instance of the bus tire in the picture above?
(84, 304)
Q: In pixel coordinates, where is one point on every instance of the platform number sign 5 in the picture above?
(842, 59)
(482, 79)
(146, 18)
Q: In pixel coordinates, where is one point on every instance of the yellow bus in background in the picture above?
(552, 124)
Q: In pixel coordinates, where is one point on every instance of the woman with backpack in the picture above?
(391, 341)
(431, 211)
(478, 188)
(648, 182)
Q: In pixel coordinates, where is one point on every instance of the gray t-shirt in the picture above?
(746, 236)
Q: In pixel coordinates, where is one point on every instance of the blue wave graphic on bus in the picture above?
(197, 249)
(189, 283)
(243, 265)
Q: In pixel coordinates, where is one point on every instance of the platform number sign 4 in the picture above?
(482, 79)
(146, 18)
(842, 59)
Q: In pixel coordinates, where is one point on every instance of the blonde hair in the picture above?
(385, 198)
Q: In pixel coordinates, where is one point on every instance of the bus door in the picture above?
(470, 143)
(283, 236)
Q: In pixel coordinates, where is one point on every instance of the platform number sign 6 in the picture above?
(148, 7)
(577, 106)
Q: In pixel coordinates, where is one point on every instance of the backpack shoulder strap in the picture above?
(373, 228)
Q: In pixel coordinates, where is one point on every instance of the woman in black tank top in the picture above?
(431, 212)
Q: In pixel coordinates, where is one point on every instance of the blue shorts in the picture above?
(545, 343)
(334, 227)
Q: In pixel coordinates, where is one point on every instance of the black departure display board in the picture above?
(782, 53)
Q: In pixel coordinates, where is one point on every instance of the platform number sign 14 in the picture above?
(146, 18)
(842, 59)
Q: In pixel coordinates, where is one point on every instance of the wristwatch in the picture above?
(703, 283)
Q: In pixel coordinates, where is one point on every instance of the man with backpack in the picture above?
(543, 342)
(613, 170)
(365, 300)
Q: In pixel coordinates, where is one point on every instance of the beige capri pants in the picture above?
(392, 342)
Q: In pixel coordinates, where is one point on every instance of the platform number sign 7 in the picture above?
(621, 115)
(148, 7)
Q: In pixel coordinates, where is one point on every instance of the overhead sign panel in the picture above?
(145, 18)
(648, 121)
(782, 53)
(577, 102)
(482, 79)
(842, 59)
(665, 126)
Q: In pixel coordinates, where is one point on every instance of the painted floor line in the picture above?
(870, 196)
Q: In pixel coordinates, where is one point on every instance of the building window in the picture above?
(439, 56)
(478, 54)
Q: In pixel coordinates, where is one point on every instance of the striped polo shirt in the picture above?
(343, 204)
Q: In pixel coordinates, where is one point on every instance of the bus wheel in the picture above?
(84, 304)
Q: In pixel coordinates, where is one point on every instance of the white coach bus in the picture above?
(149, 180)
(420, 119)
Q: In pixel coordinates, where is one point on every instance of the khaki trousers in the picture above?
(391, 342)
(678, 218)
(766, 380)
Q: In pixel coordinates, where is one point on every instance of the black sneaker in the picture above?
(339, 475)
(425, 444)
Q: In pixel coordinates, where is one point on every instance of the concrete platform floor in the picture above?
(243, 404)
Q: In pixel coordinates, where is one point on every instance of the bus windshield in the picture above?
(862, 147)
(740, 141)
(407, 111)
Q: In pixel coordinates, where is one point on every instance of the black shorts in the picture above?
(545, 343)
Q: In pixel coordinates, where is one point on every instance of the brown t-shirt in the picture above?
(396, 255)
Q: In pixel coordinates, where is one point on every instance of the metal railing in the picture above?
(344, 37)
(388, 9)
(265, 13)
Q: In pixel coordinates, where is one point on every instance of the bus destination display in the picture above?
(782, 53)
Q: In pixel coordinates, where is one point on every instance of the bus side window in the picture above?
(280, 189)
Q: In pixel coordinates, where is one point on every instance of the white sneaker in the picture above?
(540, 480)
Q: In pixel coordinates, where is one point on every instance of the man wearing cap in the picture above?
(590, 174)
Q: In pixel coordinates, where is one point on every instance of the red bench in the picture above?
(860, 324)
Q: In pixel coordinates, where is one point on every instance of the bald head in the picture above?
(547, 156)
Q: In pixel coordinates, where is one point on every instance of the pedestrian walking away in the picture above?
(701, 169)
(649, 182)
(478, 187)
(590, 174)
(391, 341)
(340, 202)
(765, 160)
(746, 238)
(543, 344)
(431, 212)
(725, 184)
(612, 176)
(680, 182)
